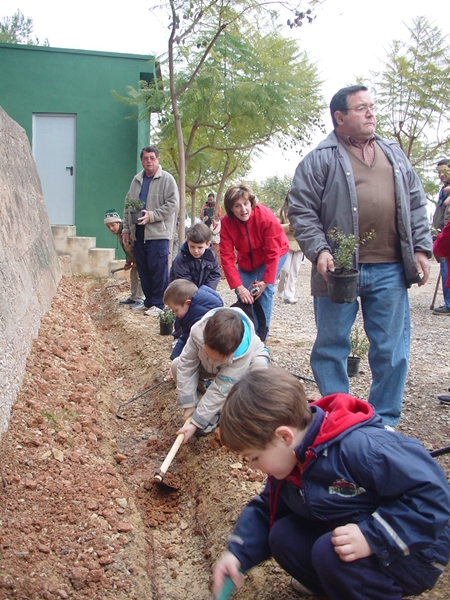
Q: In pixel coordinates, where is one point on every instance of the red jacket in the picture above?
(441, 248)
(260, 240)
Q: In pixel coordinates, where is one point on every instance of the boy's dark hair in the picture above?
(179, 291)
(224, 331)
(236, 192)
(340, 100)
(153, 149)
(199, 234)
(261, 401)
(443, 161)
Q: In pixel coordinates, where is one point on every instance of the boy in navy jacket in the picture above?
(350, 510)
(189, 304)
(196, 260)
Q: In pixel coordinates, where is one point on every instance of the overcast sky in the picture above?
(346, 40)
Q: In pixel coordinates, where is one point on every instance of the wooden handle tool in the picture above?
(161, 472)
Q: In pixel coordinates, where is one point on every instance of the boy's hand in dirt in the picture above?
(188, 431)
(349, 543)
(227, 564)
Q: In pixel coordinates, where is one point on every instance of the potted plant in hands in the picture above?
(166, 321)
(360, 348)
(134, 206)
(342, 282)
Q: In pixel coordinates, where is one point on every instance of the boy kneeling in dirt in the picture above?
(350, 510)
(222, 346)
(189, 304)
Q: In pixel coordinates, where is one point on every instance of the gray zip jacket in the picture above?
(323, 196)
(251, 354)
(162, 203)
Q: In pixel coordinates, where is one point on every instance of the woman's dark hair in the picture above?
(236, 192)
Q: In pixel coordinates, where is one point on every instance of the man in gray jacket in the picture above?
(357, 181)
(158, 193)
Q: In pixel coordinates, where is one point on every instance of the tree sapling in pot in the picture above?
(342, 282)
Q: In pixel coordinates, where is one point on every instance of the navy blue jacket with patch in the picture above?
(202, 301)
(351, 470)
(202, 271)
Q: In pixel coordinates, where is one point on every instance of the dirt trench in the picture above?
(80, 515)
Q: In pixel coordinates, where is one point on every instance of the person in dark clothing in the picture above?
(351, 510)
(189, 304)
(196, 260)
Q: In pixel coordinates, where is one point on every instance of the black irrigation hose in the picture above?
(303, 378)
(440, 451)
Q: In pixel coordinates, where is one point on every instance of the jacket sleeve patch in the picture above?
(341, 487)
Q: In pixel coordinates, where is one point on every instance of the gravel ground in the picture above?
(80, 514)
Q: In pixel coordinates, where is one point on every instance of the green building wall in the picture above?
(36, 79)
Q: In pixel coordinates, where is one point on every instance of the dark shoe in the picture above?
(137, 304)
(444, 399)
(442, 310)
(127, 301)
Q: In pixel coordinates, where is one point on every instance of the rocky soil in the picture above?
(81, 517)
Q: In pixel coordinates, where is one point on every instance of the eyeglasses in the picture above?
(364, 109)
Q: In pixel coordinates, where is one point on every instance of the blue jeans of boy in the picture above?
(383, 297)
(304, 549)
(266, 298)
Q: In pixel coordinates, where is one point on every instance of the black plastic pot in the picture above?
(136, 215)
(342, 286)
(165, 328)
(353, 365)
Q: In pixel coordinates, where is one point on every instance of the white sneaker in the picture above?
(290, 301)
(154, 311)
(138, 307)
(280, 295)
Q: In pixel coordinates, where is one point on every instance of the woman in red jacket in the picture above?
(252, 237)
(441, 248)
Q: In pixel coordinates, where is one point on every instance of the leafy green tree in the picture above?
(413, 100)
(272, 191)
(255, 87)
(194, 30)
(18, 29)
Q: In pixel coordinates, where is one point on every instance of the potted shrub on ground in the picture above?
(166, 321)
(360, 348)
(134, 206)
(342, 282)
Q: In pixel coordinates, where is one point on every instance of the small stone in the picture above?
(122, 502)
(119, 458)
(44, 549)
(124, 526)
(58, 455)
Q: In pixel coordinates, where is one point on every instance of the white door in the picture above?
(54, 154)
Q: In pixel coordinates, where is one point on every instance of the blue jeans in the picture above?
(383, 297)
(304, 549)
(153, 268)
(445, 290)
(266, 298)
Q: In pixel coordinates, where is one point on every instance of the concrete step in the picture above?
(98, 261)
(61, 233)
